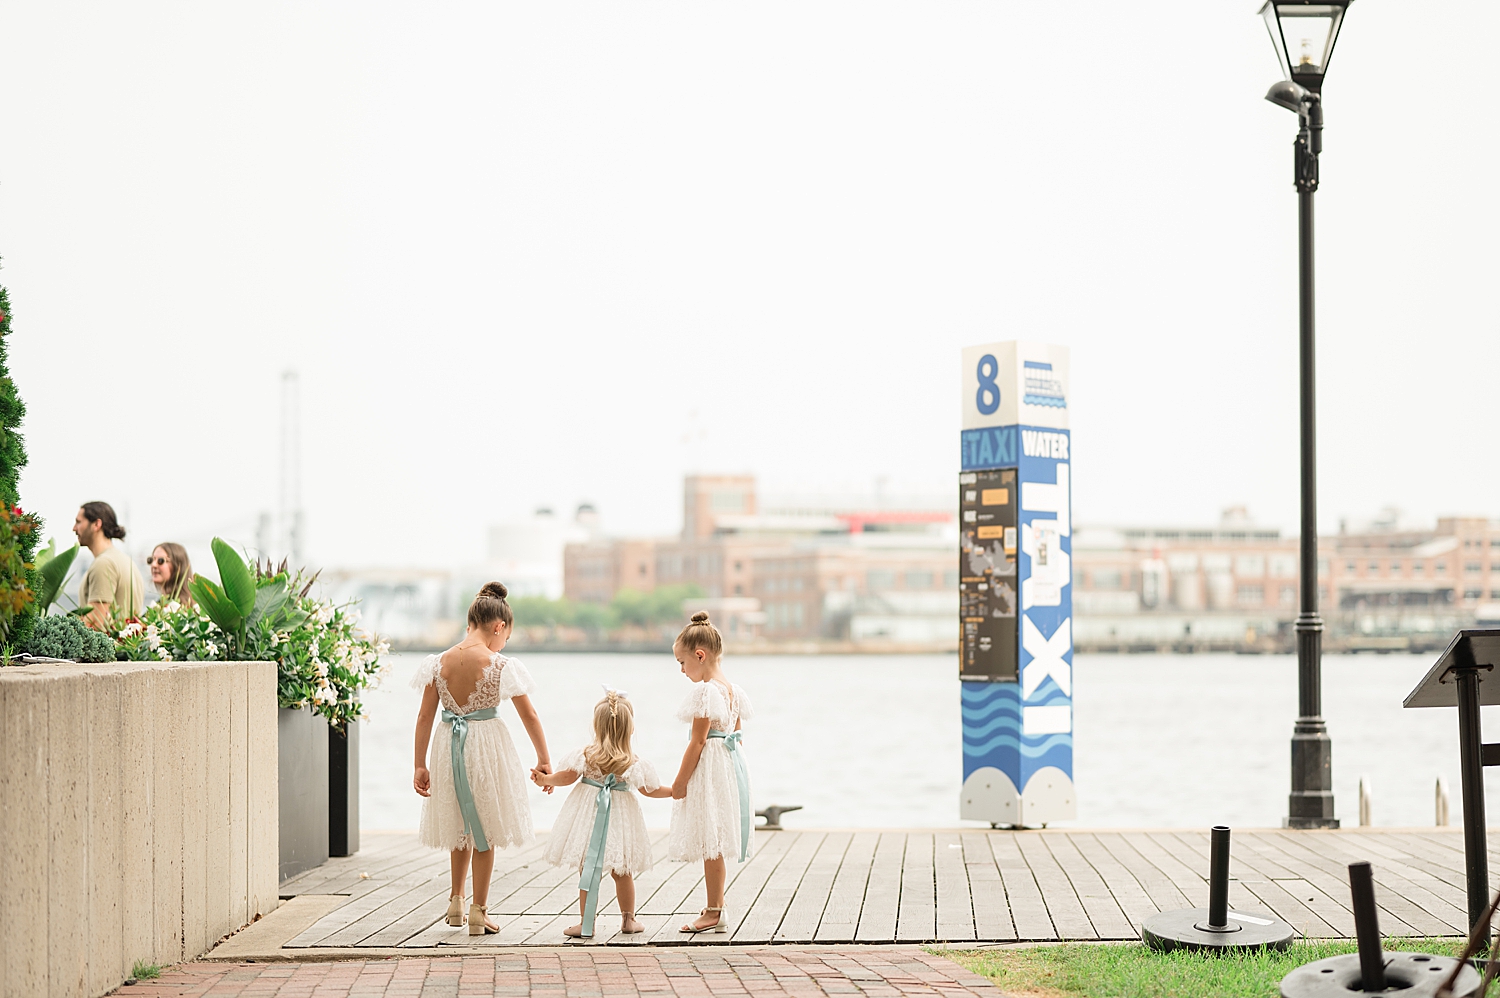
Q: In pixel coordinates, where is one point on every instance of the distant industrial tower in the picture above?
(289, 513)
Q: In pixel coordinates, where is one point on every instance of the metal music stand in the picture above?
(1464, 677)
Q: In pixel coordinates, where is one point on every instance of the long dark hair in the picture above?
(104, 514)
(182, 573)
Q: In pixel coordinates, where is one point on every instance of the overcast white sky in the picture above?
(513, 249)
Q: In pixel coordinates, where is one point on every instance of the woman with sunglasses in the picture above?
(171, 572)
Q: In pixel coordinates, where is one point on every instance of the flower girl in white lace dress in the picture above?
(474, 783)
(601, 827)
(711, 815)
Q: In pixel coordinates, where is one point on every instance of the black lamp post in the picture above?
(1303, 33)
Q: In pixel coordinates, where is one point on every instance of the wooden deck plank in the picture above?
(1068, 914)
(678, 883)
(955, 905)
(1327, 868)
(760, 923)
(1099, 902)
(877, 917)
(847, 896)
(1163, 894)
(916, 915)
(1191, 882)
(1028, 908)
(1193, 847)
(744, 884)
(1127, 891)
(805, 912)
(992, 921)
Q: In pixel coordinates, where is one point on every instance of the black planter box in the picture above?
(343, 790)
(302, 766)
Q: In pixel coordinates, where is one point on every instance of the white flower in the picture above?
(153, 637)
(383, 647)
(324, 613)
(211, 648)
(164, 654)
(325, 695)
(322, 684)
(173, 606)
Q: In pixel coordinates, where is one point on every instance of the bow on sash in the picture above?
(461, 787)
(742, 776)
(593, 860)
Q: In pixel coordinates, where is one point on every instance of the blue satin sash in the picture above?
(461, 787)
(593, 860)
(742, 776)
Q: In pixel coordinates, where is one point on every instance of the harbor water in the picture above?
(872, 741)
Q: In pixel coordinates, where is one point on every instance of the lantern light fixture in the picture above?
(1303, 33)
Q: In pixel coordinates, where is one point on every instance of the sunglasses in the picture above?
(158, 561)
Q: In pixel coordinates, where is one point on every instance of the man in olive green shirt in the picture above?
(113, 584)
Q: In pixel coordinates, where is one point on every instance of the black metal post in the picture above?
(1310, 804)
(1367, 926)
(1218, 876)
(1471, 771)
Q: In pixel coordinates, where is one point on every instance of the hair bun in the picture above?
(701, 617)
(493, 590)
(116, 532)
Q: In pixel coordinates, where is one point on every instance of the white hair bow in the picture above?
(610, 689)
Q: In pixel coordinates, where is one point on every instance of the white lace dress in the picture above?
(496, 777)
(706, 823)
(627, 845)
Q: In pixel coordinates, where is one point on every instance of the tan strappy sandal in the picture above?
(479, 923)
(629, 916)
(455, 914)
(722, 925)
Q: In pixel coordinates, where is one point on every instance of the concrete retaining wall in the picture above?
(138, 817)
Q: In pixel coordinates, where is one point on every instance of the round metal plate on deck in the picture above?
(1189, 928)
(1409, 975)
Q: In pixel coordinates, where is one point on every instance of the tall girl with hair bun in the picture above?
(711, 816)
(474, 783)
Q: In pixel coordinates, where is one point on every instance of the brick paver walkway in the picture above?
(887, 972)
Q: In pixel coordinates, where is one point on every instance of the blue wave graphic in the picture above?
(1060, 756)
(1047, 400)
(1055, 696)
(991, 709)
(978, 731)
(984, 748)
(984, 692)
(1047, 744)
(1045, 692)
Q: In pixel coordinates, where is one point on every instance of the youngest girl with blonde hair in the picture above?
(601, 827)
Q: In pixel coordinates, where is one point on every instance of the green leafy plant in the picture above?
(266, 613)
(249, 609)
(52, 573)
(143, 971)
(67, 636)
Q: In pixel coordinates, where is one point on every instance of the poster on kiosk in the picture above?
(1016, 586)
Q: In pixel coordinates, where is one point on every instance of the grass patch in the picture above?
(143, 971)
(1130, 970)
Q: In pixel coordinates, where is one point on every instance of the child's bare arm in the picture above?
(696, 741)
(421, 780)
(533, 725)
(561, 778)
(657, 791)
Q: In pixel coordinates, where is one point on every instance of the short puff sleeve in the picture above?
(515, 681)
(706, 700)
(425, 672)
(573, 760)
(642, 776)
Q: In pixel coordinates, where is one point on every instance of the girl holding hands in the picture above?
(473, 782)
(711, 815)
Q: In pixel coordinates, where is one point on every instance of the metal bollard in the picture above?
(1367, 926)
(1218, 876)
(1216, 928)
(1365, 795)
(1440, 803)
